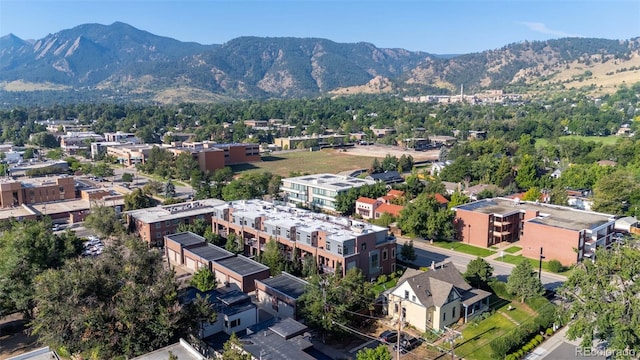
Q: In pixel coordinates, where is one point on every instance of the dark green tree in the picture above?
(137, 200)
(27, 248)
(169, 189)
(273, 257)
(232, 349)
(233, 244)
(330, 300)
(408, 252)
(127, 177)
(104, 220)
(203, 280)
(478, 273)
(379, 353)
(185, 164)
(425, 217)
(603, 300)
(523, 282)
(123, 303)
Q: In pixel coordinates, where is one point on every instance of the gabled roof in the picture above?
(367, 200)
(441, 199)
(395, 193)
(432, 288)
(391, 209)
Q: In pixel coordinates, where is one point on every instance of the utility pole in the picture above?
(540, 266)
(452, 335)
(400, 318)
(324, 306)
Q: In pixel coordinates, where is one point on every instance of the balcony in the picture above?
(501, 233)
(502, 222)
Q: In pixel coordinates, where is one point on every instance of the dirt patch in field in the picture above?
(380, 151)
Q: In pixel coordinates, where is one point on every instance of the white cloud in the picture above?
(542, 28)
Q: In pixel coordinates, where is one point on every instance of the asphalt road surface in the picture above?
(427, 254)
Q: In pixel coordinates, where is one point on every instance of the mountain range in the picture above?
(119, 57)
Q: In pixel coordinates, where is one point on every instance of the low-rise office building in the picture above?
(152, 224)
(562, 233)
(337, 243)
(319, 190)
(36, 190)
(305, 142)
(279, 295)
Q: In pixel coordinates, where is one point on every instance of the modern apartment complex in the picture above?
(563, 233)
(152, 224)
(36, 191)
(335, 242)
(319, 190)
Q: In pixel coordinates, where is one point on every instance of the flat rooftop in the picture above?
(551, 215)
(175, 211)
(182, 350)
(340, 228)
(241, 265)
(287, 284)
(275, 339)
(210, 252)
(186, 238)
(330, 181)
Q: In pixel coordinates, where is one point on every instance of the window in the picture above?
(363, 246)
(413, 298)
(453, 313)
(384, 254)
(340, 249)
(158, 225)
(406, 294)
(393, 253)
(328, 246)
(375, 262)
(444, 316)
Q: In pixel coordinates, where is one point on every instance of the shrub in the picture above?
(500, 289)
(537, 303)
(520, 353)
(382, 279)
(510, 357)
(527, 347)
(539, 338)
(555, 266)
(549, 332)
(534, 342)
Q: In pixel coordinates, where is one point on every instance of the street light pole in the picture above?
(540, 266)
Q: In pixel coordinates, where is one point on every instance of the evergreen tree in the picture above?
(523, 282)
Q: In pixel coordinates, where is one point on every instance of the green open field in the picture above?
(606, 140)
(313, 162)
(476, 336)
(516, 259)
(463, 248)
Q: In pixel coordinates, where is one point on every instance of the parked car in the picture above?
(388, 336)
(55, 227)
(407, 343)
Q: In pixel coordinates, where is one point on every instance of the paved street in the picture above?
(428, 253)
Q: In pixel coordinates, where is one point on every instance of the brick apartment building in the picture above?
(209, 155)
(335, 242)
(35, 191)
(152, 224)
(564, 234)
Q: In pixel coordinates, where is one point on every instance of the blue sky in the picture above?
(434, 26)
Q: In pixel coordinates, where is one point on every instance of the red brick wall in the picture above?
(209, 161)
(558, 244)
(478, 234)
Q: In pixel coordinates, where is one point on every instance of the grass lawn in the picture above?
(464, 248)
(513, 249)
(385, 286)
(313, 162)
(476, 337)
(605, 140)
(516, 259)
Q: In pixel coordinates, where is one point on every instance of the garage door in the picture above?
(173, 257)
(190, 263)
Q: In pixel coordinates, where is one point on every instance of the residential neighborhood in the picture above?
(422, 246)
